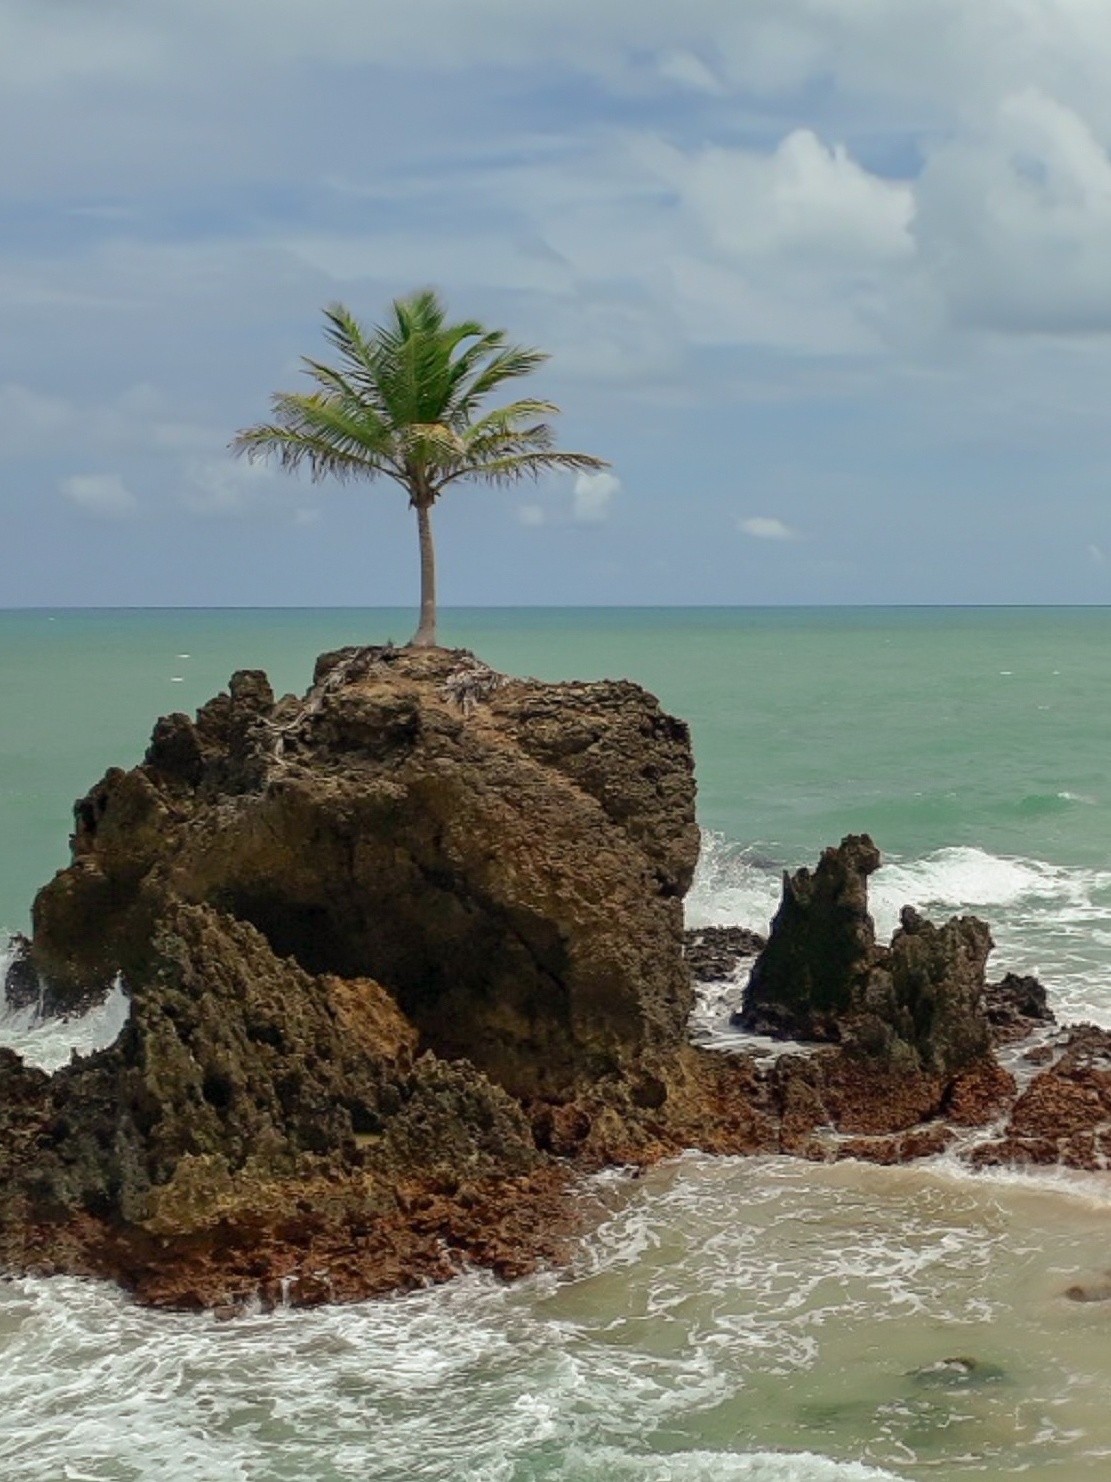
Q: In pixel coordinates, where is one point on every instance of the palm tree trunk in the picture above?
(425, 636)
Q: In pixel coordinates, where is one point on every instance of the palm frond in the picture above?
(404, 400)
(513, 468)
(505, 365)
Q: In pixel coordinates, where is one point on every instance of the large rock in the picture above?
(397, 954)
(509, 857)
(405, 956)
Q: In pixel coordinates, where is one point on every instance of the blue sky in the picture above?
(827, 281)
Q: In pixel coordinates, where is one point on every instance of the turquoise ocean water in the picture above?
(729, 1320)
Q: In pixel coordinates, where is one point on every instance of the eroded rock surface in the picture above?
(405, 957)
(513, 868)
(917, 1006)
(401, 956)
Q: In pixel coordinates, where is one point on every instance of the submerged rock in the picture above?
(958, 1373)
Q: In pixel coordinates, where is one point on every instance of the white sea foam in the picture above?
(50, 1041)
(718, 1466)
(755, 1320)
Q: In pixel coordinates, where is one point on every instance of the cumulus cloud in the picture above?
(104, 495)
(1014, 220)
(765, 527)
(806, 198)
(593, 496)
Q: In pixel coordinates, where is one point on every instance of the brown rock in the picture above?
(387, 831)
(714, 953)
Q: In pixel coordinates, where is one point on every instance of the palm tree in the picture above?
(406, 402)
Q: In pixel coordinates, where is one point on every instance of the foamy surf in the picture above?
(758, 1320)
(50, 1041)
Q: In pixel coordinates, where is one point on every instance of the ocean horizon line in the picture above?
(573, 607)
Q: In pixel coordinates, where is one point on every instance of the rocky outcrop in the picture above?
(509, 857)
(405, 957)
(715, 953)
(1063, 1115)
(401, 955)
(1016, 1006)
(917, 1006)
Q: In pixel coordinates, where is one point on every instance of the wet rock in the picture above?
(1064, 1114)
(815, 967)
(714, 953)
(917, 1005)
(22, 989)
(1016, 1006)
(1095, 1291)
(957, 1373)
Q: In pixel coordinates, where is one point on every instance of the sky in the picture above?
(827, 282)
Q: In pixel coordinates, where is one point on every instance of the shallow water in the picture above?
(729, 1317)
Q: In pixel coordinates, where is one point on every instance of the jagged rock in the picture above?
(404, 956)
(916, 1006)
(375, 941)
(22, 989)
(1016, 1007)
(812, 974)
(514, 871)
(714, 953)
(1064, 1114)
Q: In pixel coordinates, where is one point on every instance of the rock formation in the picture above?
(405, 957)
(391, 828)
(508, 858)
(918, 1005)
(715, 953)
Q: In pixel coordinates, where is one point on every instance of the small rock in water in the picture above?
(713, 953)
(963, 1371)
(1096, 1291)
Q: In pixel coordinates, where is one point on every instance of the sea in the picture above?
(724, 1319)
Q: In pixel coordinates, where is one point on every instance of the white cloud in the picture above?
(531, 515)
(807, 199)
(231, 489)
(594, 493)
(1014, 220)
(102, 494)
(689, 71)
(765, 527)
(1098, 555)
